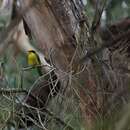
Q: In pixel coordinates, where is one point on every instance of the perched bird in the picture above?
(34, 60)
(51, 78)
(38, 96)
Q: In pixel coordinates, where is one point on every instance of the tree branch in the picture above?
(105, 45)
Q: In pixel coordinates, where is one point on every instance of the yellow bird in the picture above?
(34, 60)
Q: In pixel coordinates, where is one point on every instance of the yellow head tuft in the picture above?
(33, 58)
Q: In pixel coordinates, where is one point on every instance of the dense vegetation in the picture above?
(107, 82)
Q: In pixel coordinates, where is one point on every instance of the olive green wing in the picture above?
(39, 68)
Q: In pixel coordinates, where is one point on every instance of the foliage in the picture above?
(67, 107)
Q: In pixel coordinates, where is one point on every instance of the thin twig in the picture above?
(42, 110)
(11, 91)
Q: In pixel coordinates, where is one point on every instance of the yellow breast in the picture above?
(32, 59)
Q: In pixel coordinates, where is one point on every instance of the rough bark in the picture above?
(56, 26)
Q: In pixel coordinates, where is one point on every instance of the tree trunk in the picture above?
(56, 26)
(62, 33)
